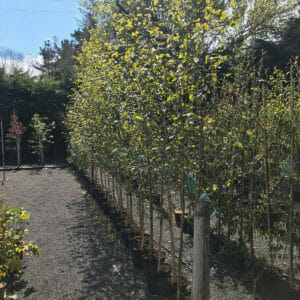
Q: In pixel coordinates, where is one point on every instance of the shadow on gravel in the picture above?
(159, 285)
(254, 274)
(15, 283)
(101, 257)
(229, 259)
(97, 264)
(35, 171)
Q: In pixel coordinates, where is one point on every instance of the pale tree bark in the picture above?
(18, 145)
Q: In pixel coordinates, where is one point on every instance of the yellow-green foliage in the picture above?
(157, 95)
(12, 231)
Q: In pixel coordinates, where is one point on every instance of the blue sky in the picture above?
(26, 24)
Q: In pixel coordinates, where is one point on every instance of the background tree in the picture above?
(279, 49)
(48, 52)
(15, 132)
(10, 59)
(41, 135)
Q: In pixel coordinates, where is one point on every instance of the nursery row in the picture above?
(169, 115)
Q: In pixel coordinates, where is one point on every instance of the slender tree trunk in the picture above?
(291, 221)
(92, 175)
(151, 228)
(267, 178)
(219, 217)
(171, 228)
(241, 227)
(120, 196)
(96, 176)
(150, 210)
(130, 198)
(291, 204)
(101, 179)
(251, 233)
(18, 144)
(41, 149)
(141, 214)
(142, 223)
(126, 185)
(180, 250)
(160, 222)
(113, 191)
(241, 224)
(106, 184)
(170, 202)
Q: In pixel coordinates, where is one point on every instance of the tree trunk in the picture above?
(120, 196)
(130, 198)
(41, 149)
(180, 250)
(251, 230)
(113, 191)
(241, 227)
(127, 199)
(141, 214)
(170, 202)
(106, 185)
(18, 144)
(101, 179)
(150, 210)
(92, 175)
(160, 223)
(219, 217)
(291, 204)
(170, 219)
(267, 178)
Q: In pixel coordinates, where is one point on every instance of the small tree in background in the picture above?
(41, 135)
(15, 132)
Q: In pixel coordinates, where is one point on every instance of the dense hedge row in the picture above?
(158, 99)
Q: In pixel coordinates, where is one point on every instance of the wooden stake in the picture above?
(201, 251)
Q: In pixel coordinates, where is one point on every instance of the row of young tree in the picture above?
(171, 88)
(41, 136)
(47, 93)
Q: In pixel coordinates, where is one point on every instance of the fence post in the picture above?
(3, 152)
(201, 249)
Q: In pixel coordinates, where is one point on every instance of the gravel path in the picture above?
(82, 256)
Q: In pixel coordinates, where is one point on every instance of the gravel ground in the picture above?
(222, 285)
(82, 256)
